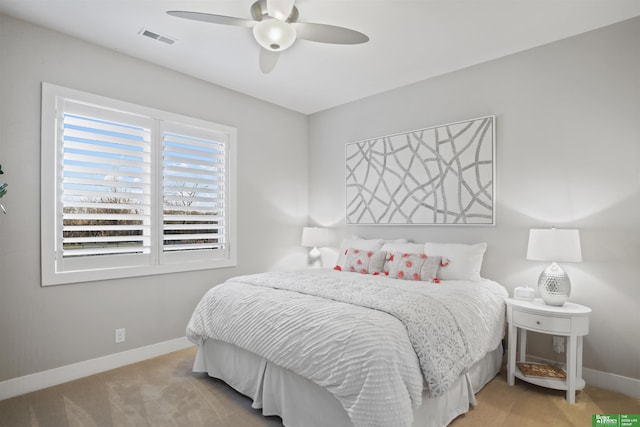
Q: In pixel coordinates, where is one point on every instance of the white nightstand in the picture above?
(570, 320)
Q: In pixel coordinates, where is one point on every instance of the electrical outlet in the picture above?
(120, 335)
(558, 344)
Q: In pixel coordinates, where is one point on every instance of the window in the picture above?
(130, 191)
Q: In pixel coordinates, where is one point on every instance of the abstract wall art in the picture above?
(442, 175)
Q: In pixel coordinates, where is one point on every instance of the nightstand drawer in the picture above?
(545, 323)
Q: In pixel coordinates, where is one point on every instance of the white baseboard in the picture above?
(51, 377)
(624, 385)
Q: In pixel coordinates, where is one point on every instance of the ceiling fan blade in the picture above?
(268, 60)
(324, 33)
(214, 19)
(280, 9)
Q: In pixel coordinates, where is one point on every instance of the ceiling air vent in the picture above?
(156, 36)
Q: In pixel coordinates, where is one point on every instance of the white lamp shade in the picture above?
(274, 35)
(315, 237)
(554, 245)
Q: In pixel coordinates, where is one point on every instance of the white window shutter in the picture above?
(193, 189)
(106, 182)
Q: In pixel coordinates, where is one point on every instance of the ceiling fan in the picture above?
(275, 27)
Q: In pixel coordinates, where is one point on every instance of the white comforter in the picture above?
(368, 340)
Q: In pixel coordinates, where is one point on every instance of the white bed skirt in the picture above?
(302, 403)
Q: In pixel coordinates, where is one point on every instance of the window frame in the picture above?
(53, 270)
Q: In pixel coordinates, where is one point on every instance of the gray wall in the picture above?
(568, 155)
(44, 328)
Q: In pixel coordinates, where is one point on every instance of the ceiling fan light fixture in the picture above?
(275, 35)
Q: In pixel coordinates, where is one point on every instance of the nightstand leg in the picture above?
(579, 359)
(571, 369)
(511, 361)
(522, 338)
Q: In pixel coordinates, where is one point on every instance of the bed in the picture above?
(342, 348)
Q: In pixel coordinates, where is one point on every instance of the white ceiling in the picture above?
(409, 40)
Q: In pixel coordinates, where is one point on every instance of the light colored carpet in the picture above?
(163, 392)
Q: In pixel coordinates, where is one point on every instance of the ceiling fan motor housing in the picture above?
(259, 12)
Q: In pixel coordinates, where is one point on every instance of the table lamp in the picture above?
(556, 246)
(315, 237)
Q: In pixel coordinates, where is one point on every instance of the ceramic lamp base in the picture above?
(315, 258)
(554, 285)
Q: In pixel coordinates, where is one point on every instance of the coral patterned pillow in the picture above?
(357, 260)
(356, 243)
(413, 266)
(406, 266)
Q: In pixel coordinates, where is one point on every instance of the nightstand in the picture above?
(569, 320)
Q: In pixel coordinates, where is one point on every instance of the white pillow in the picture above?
(355, 243)
(464, 261)
(404, 247)
(396, 241)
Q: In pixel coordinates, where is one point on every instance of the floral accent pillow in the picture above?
(356, 243)
(406, 266)
(409, 266)
(357, 260)
(362, 261)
